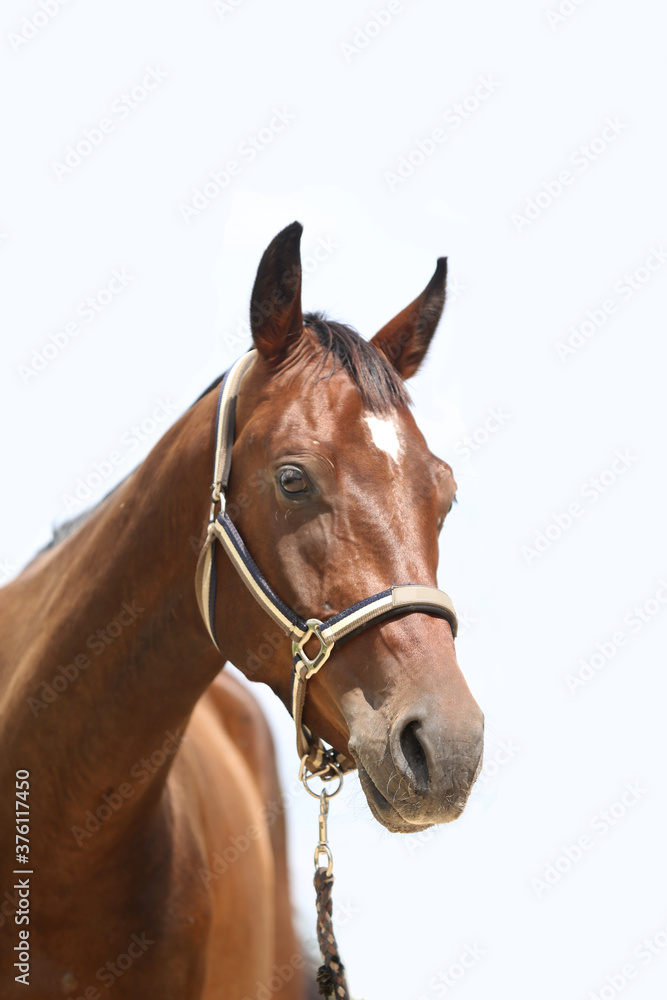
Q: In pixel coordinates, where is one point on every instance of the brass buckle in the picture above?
(312, 666)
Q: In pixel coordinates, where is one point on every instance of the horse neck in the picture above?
(106, 648)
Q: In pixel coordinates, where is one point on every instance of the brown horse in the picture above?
(142, 841)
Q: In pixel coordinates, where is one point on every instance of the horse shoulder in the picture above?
(241, 715)
(222, 795)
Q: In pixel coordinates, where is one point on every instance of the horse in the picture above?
(142, 835)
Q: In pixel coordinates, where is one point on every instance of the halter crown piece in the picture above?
(396, 600)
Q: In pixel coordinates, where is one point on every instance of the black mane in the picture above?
(379, 384)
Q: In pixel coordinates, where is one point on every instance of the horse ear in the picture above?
(405, 339)
(276, 321)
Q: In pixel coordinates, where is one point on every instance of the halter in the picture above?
(396, 600)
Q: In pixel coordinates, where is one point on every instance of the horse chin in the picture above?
(388, 815)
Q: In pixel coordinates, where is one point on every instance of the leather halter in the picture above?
(396, 600)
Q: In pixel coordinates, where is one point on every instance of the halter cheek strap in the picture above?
(396, 600)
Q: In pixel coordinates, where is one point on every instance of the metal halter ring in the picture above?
(322, 655)
(323, 774)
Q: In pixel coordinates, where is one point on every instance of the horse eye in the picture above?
(292, 481)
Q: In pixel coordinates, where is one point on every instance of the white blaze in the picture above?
(385, 435)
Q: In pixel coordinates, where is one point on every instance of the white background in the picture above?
(556, 758)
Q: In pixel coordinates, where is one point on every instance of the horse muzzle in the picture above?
(420, 773)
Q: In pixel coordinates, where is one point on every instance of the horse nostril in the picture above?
(414, 756)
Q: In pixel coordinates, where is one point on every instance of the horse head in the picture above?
(337, 496)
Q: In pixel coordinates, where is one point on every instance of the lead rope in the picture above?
(331, 974)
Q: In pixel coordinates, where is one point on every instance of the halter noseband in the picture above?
(396, 600)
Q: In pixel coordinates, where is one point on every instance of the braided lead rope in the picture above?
(331, 974)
